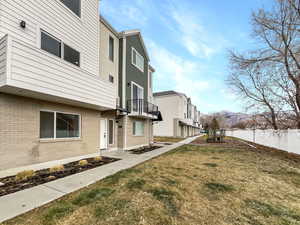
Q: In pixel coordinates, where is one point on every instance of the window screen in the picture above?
(111, 48)
(71, 55)
(50, 44)
(46, 124)
(138, 128)
(67, 125)
(111, 79)
(73, 5)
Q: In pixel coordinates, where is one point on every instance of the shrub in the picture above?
(25, 175)
(83, 163)
(98, 158)
(55, 169)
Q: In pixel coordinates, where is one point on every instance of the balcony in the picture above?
(142, 108)
(28, 71)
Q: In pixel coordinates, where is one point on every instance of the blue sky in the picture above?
(188, 43)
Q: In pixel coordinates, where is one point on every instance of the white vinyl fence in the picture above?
(288, 140)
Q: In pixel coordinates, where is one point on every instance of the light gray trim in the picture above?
(124, 75)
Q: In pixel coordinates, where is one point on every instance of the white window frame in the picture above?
(133, 124)
(55, 138)
(137, 55)
(113, 133)
(57, 39)
(113, 52)
(139, 86)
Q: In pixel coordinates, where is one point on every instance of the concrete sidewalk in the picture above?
(23, 201)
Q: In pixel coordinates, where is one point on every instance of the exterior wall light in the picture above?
(23, 24)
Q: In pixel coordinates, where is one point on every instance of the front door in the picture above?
(103, 135)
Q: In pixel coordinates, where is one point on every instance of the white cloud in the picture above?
(126, 14)
(181, 72)
(188, 28)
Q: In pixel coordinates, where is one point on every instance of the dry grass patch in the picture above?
(220, 184)
(167, 139)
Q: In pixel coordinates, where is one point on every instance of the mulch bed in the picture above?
(43, 176)
(139, 151)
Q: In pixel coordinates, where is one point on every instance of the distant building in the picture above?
(180, 117)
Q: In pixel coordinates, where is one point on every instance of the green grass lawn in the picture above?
(192, 185)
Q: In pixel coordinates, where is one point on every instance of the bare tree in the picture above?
(254, 85)
(278, 33)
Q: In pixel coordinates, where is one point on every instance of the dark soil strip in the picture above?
(139, 151)
(44, 176)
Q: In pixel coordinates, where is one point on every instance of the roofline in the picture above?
(151, 68)
(169, 94)
(127, 33)
(109, 26)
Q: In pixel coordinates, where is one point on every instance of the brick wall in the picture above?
(19, 133)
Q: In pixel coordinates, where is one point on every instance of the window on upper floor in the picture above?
(150, 80)
(111, 48)
(50, 44)
(137, 60)
(111, 79)
(56, 47)
(71, 55)
(73, 5)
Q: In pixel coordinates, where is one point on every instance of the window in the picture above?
(111, 79)
(50, 44)
(46, 125)
(71, 55)
(67, 125)
(111, 48)
(73, 5)
(138, 128)
(137, 94)
(137, 60)
(55, 125)
(56, 47)
(111, 132)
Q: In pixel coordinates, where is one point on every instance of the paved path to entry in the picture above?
(23, 201)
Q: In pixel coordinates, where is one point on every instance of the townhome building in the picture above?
(180, 116)
(136, 110)
(124, 62)
(51, 93)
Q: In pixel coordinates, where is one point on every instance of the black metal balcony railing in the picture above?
(141, 106)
